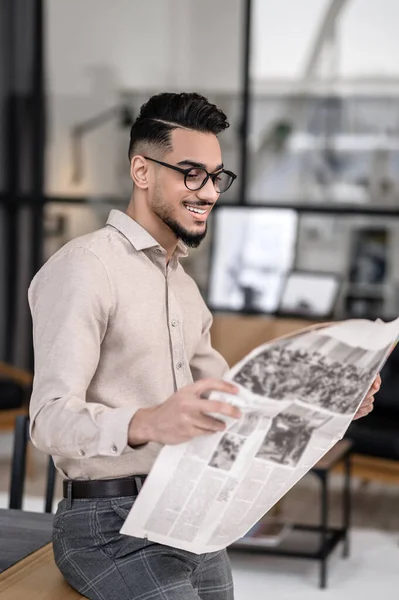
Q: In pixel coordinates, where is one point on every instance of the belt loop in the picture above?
(139, 483)
(69, 495)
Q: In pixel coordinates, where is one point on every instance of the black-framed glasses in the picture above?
(196, 177)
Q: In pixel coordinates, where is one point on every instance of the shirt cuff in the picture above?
(114, 432)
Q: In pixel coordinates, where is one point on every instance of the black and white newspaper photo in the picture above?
(289, 434)
(313, 368)
(227, 451)
(297, 396)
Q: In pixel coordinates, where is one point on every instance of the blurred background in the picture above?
(311, 91)
(310, 229)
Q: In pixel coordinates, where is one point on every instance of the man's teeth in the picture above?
(196, 210)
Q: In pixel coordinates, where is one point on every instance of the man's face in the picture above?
(170, 199)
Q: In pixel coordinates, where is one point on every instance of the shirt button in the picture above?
(174, 323)
(81, 453)
(114, 449)
(179, 365)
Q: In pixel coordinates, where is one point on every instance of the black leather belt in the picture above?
(102, 488)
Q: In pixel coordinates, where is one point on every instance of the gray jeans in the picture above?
(102, 564)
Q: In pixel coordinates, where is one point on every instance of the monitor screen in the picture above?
(253, 250)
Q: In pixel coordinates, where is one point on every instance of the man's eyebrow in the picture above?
(193, 163)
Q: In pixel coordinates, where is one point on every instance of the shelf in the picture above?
(303, 542)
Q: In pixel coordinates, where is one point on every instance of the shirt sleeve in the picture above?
(207, 362)
(71, 302)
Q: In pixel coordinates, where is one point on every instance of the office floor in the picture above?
(371, 572)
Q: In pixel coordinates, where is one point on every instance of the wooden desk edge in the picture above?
(19, 574)
(13, 574)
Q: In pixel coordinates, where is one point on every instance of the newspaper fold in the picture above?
(298, 395)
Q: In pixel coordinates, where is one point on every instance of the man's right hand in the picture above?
(183, 416)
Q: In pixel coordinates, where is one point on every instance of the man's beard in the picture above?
(192, 240)
(163, 212)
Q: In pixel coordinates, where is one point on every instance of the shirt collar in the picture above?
(137, 235)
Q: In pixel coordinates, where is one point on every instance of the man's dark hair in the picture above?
(165, 112)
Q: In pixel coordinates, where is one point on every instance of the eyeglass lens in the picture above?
(196, 177)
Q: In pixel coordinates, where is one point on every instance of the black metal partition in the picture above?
(22, 115)
(246, 99)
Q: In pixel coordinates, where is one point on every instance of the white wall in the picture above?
(369, 39)
(147, 44)
(97, 49)
(285, 29)
(282, 32)
(92, 39)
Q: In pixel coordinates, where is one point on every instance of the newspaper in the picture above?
(298, 395)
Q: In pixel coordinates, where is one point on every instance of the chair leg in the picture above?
(31, 470)
(21, 434)
(51, 472)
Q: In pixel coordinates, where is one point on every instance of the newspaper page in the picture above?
(297, 395)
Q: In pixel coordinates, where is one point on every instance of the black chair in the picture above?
(21, 439)
(378, 434)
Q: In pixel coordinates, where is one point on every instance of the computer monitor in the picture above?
(253, 249)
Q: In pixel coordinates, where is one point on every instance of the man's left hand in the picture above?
(368, 403)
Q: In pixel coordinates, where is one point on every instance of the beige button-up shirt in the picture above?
(115, 329)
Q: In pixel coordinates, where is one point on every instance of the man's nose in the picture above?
(208, 192)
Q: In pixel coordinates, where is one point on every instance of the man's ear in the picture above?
(139, 171)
